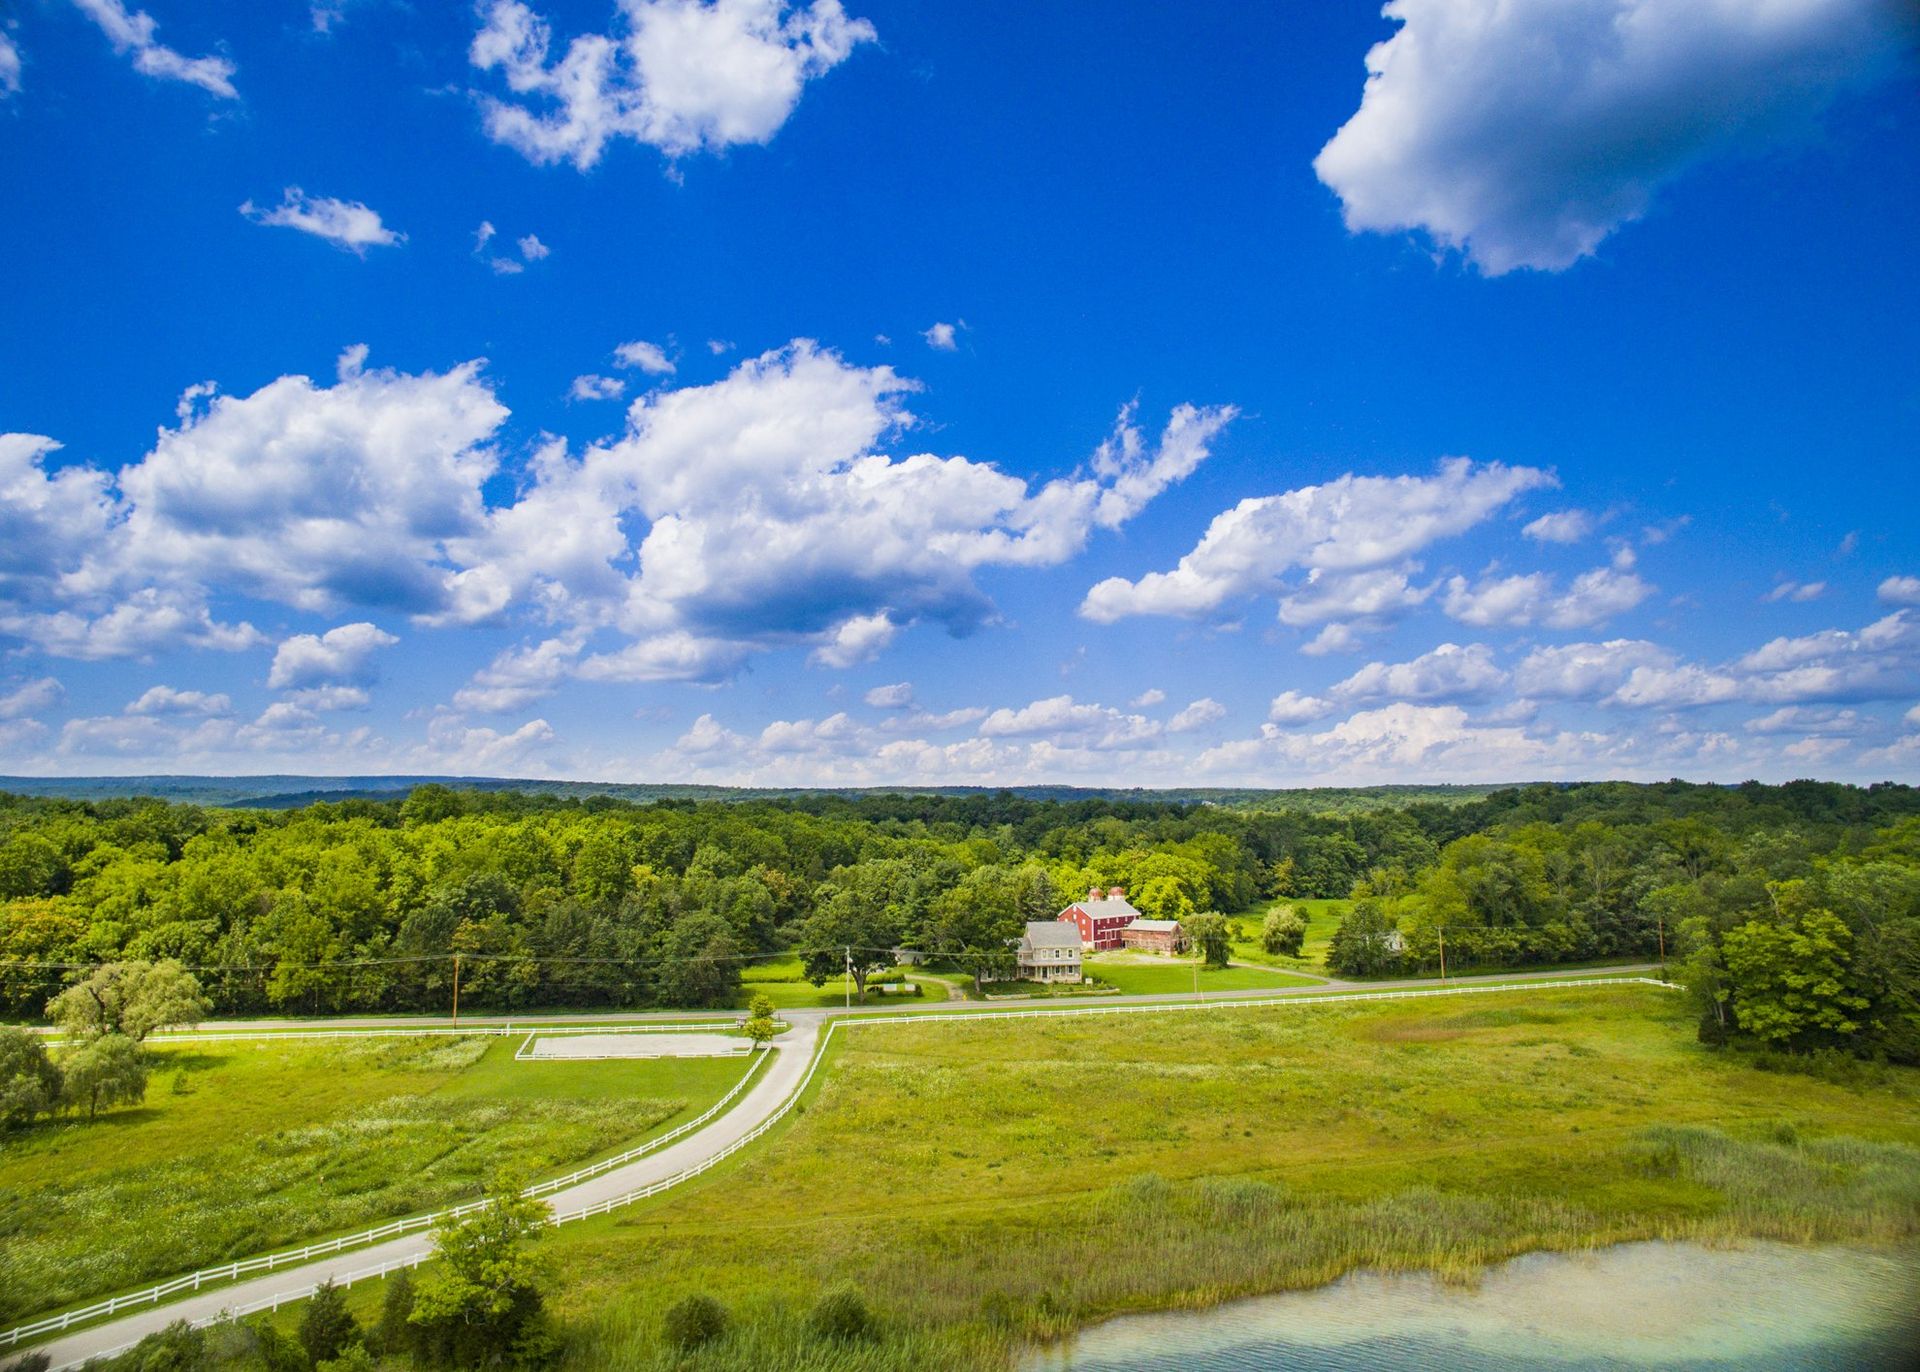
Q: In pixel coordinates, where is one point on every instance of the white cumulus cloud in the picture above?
(519, 676)
(1350, 537)
(1900, 590)
(132, 34)
(895, 696)
(1523, 132)
(1534, 598)
(1062, 719)
(592, 387)
(9, 66)
(1295, 707)
(165, 700)
(1448, 672)
(347, 224)
(1197, 715)
(30, 697)
(860, 638)
(772, 516)
(1562, 526)
(342, 656)
(683, 76)
(650, 358)
(1586, 671)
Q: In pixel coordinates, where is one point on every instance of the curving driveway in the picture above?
(781, 1078)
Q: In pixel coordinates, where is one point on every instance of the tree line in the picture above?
(555, 901)
(1791, 914)
(537, 900)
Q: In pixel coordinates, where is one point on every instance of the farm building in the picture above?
(1155, 936)
(1101, 916)
(1050, 951)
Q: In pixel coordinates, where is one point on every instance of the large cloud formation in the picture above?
(1523, 132)
(753, 512)
(681, 75)
(1338, 553)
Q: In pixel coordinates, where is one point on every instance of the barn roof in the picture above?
(1156, 926)
(1109, 908)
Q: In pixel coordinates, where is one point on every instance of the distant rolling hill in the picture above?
(285, 792)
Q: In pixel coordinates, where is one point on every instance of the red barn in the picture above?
(1101, 916)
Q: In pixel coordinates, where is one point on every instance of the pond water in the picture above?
(1759, 1308)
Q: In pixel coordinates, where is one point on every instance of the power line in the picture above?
(415, 959)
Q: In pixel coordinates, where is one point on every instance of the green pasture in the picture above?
(1322, 916)
(988, 1182)
(1177, 976)
(246, 1146)
(782, 982)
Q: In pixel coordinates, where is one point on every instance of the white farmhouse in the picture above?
(1050, 951)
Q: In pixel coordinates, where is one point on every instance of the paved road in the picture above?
(794, 1052)
(905, 1006)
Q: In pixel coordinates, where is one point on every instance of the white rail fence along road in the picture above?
(293, 1257)
(13, 1337)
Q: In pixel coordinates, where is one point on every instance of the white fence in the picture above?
(442, 1030)
(155, 1294)
(525, 1053)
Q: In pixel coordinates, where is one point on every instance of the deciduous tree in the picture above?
(1209, 935)
(29, 1082)
(106, 1072)
(1284, 932)
(483, 1304)
(1363, 944)
(131, 999)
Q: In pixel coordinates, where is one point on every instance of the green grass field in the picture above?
(782, 982)
(1174, 976)
(985, 1183)
(989, 1182)
(1322, 916)
(247, 1146)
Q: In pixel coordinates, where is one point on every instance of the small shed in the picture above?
(1155, 936)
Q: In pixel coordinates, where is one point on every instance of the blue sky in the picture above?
(923, 393)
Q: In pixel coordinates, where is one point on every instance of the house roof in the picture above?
(1053, 933)
(1106, 909)
(1156, 926)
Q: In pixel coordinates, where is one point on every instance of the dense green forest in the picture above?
(554, 900)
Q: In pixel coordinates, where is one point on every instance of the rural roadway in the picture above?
(792, 1054)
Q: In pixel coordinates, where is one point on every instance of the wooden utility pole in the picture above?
(1443, 953)
(848, 950)
(456, 989)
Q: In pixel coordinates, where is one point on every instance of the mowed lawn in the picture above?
(1322, 916)
(1175, 976)
(248, 1146)
(782, 981)
(982, 1182)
